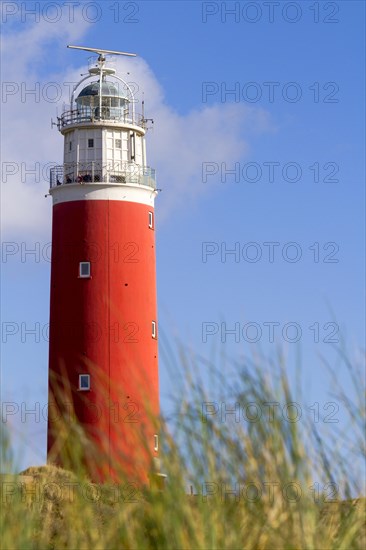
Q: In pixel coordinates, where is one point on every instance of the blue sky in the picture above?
(191, 54)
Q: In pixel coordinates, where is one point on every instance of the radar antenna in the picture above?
(101, 52)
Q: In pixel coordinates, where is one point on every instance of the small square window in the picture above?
(118, 143)
(84, 382)
(156, 442)
(151, 220)
(90, 142)
(84, 269)
(153, 329)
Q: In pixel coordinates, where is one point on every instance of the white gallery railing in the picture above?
(95, 172)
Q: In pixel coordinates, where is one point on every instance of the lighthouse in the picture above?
(103, 340)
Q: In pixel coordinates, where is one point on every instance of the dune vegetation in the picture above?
(241, 480)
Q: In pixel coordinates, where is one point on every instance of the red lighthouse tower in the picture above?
(103, 354)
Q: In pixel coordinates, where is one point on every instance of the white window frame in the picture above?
(118, 143)
(151, 220)
(156, 442)
(153, 329)
(82, 388)
(81, 274)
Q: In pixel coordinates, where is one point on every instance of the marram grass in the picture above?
(271, 483)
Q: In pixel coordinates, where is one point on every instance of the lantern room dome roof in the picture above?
(108, 89)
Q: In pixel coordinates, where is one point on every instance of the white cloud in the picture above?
(176, 147)
(179, 144)
(27, 142)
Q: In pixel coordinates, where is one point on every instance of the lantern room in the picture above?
(102, 100)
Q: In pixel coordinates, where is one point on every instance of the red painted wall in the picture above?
(102, 326)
